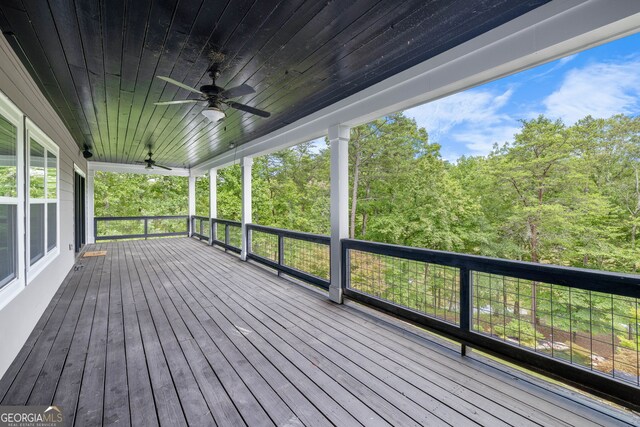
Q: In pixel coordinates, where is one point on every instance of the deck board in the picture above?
(172, 332)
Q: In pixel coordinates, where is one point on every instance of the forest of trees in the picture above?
(566, 195)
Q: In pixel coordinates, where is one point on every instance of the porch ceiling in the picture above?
(96, 61)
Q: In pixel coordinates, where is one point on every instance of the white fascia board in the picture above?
(129, 168)
(552, 31)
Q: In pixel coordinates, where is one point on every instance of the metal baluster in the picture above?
(466, 309)
(280, 251)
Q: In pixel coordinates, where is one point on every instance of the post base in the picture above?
(335, 294)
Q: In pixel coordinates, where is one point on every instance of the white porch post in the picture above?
(91, 232)
(213, 201)
(192, 201)
(339, 142)
(245, 167)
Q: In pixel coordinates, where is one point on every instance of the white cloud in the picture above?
(473, 115)
(599, 89)
(470, 106)
(555, 66)
(480, 140)
(566, 59)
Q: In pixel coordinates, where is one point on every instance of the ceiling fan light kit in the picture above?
(213, 113)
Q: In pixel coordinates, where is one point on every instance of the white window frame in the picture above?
(11, 113)
(35, 133)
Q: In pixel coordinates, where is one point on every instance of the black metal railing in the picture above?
(577, 325)
(201, 227)
(574, 324)
(301, 255)
(140, 227)
(227, 234)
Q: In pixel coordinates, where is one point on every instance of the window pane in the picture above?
(8, 160)
(52, 173)
(36, 171)
(8, 247)
(36, 231)
(52, 225)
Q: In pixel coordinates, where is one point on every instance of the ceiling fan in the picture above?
(215, 96)
(150, 163)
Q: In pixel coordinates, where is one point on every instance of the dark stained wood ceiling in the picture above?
(95, 60)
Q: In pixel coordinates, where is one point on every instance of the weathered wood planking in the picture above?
(173, 332)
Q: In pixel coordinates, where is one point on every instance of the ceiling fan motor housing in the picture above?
(210, 90)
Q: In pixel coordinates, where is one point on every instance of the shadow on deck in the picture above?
(173, 332)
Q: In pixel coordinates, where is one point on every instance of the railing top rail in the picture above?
(200, 217)
(300, 235)
(593, 280)
(226, 221)
(140, 236)
(124, 218)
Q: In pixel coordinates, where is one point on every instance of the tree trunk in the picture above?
(533, 242)
(365, 215)
(363, 232)
(634, 216)
(634, 227)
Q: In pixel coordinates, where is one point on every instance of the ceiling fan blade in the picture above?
(182, 101)
(161, 167)
(177, 83)
(237, 91)
(247, 109)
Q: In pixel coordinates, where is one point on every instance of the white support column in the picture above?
(192, 201)
(213, 200)
(245, 167)
(339, 142)
(91, 232)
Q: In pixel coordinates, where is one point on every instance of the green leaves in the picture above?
(127, 194)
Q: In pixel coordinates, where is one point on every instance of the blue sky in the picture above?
(601, 81)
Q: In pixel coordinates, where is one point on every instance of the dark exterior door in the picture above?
(80, 212)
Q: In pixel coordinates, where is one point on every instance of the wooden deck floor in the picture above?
(172, 332)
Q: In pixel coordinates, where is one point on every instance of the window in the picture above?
(43, 196)
(11, 198)
(8, 200)
(29, 172)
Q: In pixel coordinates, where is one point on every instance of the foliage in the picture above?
(202, 195)
(127, 194)
(524, 332)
